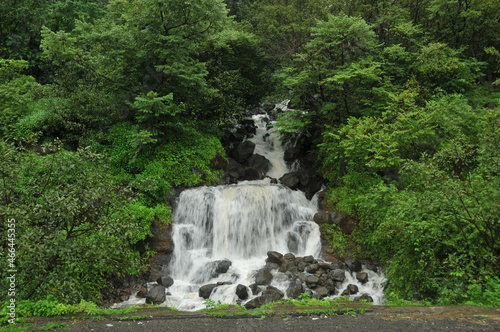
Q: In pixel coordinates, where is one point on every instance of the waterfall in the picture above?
(222, 234)
(239, 223)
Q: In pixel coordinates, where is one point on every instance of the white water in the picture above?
(242, 223)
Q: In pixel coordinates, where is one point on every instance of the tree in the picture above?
(65, 206)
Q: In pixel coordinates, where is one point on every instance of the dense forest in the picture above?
(107, 105)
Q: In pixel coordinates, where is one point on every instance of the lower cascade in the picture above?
(254, 242)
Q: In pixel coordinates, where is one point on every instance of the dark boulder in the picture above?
(271, 294)
(309, 259)
(322, 291)
(350, 290)
(256, 289)
(293, 153)
(206, 290)
(250, 174)
(263, 277)
(337, 275)
(362, 277)
(312, 281)
(274, 257)
(290, 180)
(241, 292)
(165, 281)
(222, 266)
(156, 295)
(260, 163)
(242, 151)
(353, 264)
(294, 289)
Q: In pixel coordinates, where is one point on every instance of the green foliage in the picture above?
(66, 205)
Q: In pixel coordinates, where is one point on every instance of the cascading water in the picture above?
(237, 225)
(240, 223)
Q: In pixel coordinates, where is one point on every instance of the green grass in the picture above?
(258, 313)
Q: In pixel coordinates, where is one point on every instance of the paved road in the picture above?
(405, 319)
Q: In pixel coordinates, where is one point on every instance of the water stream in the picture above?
(241, 223)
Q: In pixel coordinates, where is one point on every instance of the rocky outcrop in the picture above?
(206, 290)
(342, 220)
(156, 295)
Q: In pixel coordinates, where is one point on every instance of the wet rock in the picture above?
(271, 266)
(263, 277)
(289, 257)
(322, 291)
(165, 281)
(350, 290)
(259, 163)
(142, 293)
(156, 295)
(353, 264)
(290, 180)
(271, 294)
(309, 259)
(312, 281)
(242, 151)
(222, 266)
(275, 257)
(362, 277)
(206, 290)
(241, 292)
(250, 174)
(256, 289)
(312, 268)
(294, 153)
(295, 289)
(336, 275)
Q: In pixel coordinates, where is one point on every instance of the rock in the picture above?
(309, 259)
(274, 257)
(263, 277)
(250, 174)
(295, 289)
(156, 295)
(161, 241)
(350, 290)
(290, 180)
(241, 292)
(271, 294)
(142, 293)
(312, 268)
(322, 291)
(288, 257)
(322, 201)
(336, 275)
(310, 184)
(365, 297)
(206, 290)
(312, 281)
(271, 266)
(362, 277)
(260, 163)
(343, 221)
(256, 289)
(222, 266)
(242, 151)
(234, 171)
(293, 153)
(353, 264)
(165, 281)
